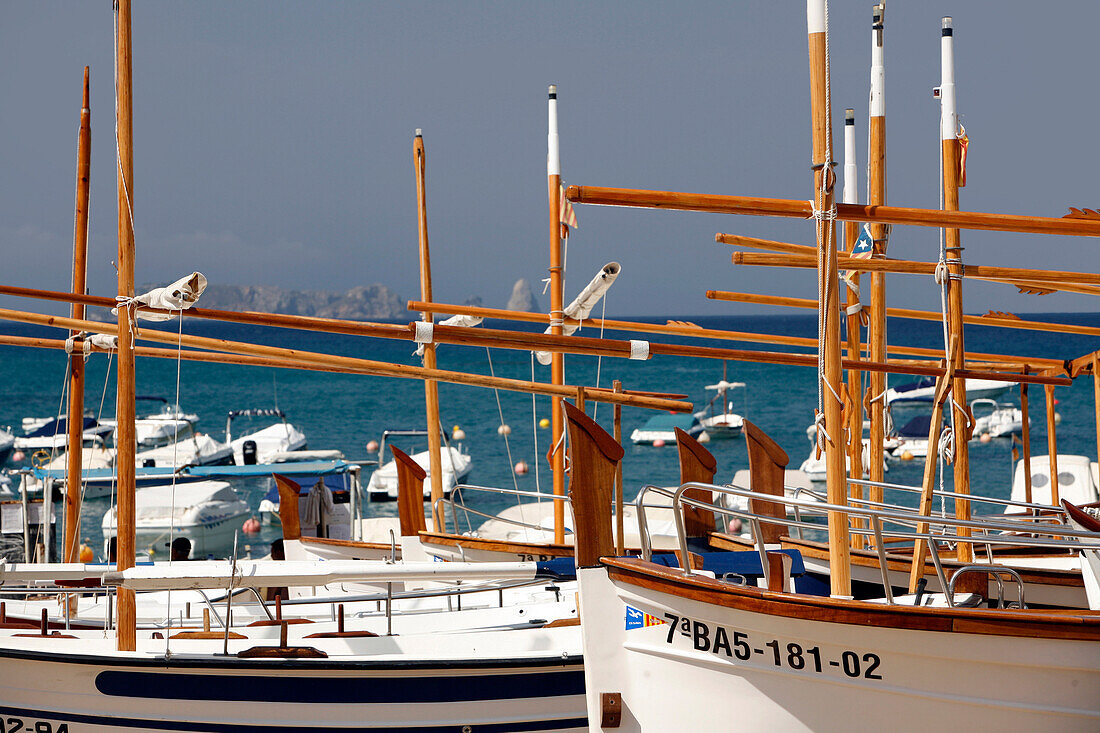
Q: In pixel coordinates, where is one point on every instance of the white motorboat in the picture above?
(661, 429)
(51, 433)
(924, 390)
(260, 445)
(169, 425)
(456, 464)
(724, 424)
(1002, 420)
(208, 513)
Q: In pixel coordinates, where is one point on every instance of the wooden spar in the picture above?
(991, 319)
(557, 363)
(802, 209)
(1025, 439)
(1042, 278)
(620, 541)
(1052, 446)
(682, 329)
(75, 444)
(296, 357)
(928, 485)
(960, 418)
(514, 339)
(768, 245)
(829, 315)
(854, 383)
(431, 388)
(125, 439)
(614, 349)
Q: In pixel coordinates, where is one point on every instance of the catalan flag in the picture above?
(636, 619)
(567, 216)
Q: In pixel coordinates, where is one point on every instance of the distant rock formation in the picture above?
(364, 302)
(523, 299)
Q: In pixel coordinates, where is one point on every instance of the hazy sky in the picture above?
(273, 140)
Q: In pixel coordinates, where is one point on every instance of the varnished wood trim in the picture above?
(289, 491)
(357, 544)
(487, 545)
(1084, 626)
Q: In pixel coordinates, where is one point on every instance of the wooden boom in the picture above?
(802, 209)
(356, 365)
(983, 272)
(602, 395)
(991, 319)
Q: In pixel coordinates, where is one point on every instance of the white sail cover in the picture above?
(178, 296)
(104, 341)
(458, 320)
(582, 305)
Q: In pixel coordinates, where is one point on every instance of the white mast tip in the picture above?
(419, 132)
(553, 90)
(849, 116)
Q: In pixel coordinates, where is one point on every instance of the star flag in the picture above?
(865, 245)
(567, 216)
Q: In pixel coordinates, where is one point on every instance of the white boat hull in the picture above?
(43, 690)
(799, 674)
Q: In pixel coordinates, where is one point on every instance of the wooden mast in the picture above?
(75, 458)
(824, 201)
(431, 387)
(125, 440)
(850, 195)
(557, 363)
(1052, 444)
(876, 196)
(949, 126)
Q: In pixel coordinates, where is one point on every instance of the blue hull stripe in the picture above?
(518, 726)
(358, 689)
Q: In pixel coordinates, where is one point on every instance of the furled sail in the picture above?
(582, 305)
(178, 296)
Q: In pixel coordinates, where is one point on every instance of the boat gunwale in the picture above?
(1082, 626)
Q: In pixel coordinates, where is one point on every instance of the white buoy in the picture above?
(704, 437)
(521, 467)
(372, 446)
(504, 429)
(459, 433)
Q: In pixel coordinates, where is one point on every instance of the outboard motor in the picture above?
(248, 452)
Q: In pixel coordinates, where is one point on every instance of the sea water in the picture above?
(344, 411)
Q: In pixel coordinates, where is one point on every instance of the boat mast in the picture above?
(829, 313)
(854, 312)
(125, 440)
(75, 459)
(431, 387)
(876, 196)
(557, 363)
(949, 127)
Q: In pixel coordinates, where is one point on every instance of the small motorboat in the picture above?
(724, 424)
(258, 446)
(1001, 422)
(169, 425)
(924, 390)
(49, 433)
(663, 428)
(911, 439)
(208, 513)
(456, 464)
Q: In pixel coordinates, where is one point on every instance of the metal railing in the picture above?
(988, 531)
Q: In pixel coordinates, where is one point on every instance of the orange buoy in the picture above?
(372, 446)
(86, 553)
(521, 467)
(658, 443)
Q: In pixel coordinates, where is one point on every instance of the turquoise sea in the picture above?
(345, 411)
